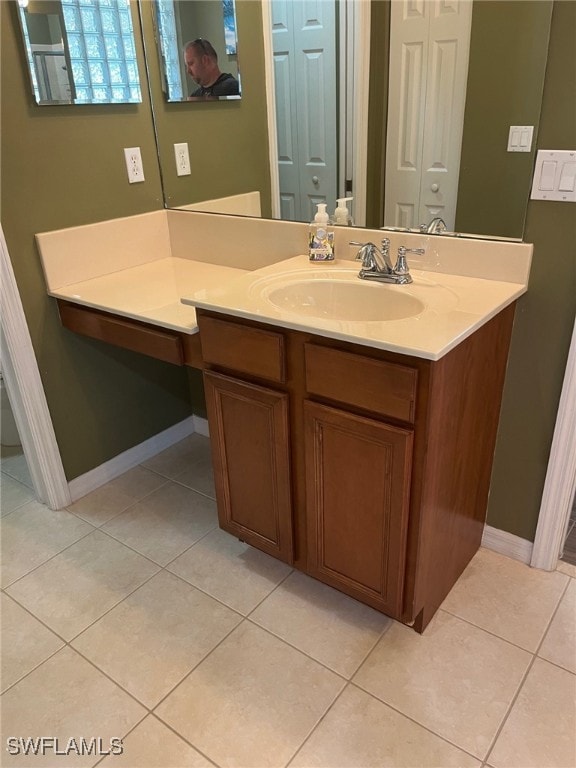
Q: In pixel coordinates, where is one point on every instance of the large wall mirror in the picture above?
(80, 51)
(508, 45)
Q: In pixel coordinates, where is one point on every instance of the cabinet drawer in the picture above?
(122, 332)
(375, 385)
(242, 348)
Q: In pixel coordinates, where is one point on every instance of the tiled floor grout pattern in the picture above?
(198, 650)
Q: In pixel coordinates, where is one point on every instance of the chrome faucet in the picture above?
(376, 263)
(436, 226)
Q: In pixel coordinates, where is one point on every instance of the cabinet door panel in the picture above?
(250, 449)
(357, 494)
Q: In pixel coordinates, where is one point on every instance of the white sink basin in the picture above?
(360, 301)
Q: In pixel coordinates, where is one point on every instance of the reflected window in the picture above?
(102, 51)
(82, 52)
(169, 49)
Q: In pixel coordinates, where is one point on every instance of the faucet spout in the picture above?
(436, 226)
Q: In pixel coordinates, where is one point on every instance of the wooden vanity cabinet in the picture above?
(366, 469)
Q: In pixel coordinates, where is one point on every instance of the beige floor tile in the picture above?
(32, 534)
(109, 500)
(361, 731)
(199, 476)
(540, 731)
(25, 642)
(559, 645)
(506, 597)
(179, 457)
(455, 679)
(235, 573)
(81, 584)
(567, 568)
(13, 494)
(152, 745)
(155, 637)
(66, 698)
(252, 702)
(327, 625)
(166, 523)
(16, 466)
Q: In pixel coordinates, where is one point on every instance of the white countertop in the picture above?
(453, 306)
(150, 292)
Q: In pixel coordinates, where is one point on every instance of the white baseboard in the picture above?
(201, 426)
(98, 476)
(507, 544)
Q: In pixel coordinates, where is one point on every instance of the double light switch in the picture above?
(555, 176)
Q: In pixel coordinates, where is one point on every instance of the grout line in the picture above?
(525, 677)
(413, 720)
(44, 562)
(318, 723)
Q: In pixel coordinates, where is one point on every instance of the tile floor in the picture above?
(132, 616)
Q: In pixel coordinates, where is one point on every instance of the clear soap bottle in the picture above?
(321, 236)
(342, 216)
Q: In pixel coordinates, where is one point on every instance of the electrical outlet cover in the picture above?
(182, 159)
(134, 165)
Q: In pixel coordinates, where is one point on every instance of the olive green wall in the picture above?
(61, 167)
(505, 81)
(544, 316)
(227, 140)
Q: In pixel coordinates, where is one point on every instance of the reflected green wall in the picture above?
(227, 140)
(505, 81)
(544, 316)
(61, 167)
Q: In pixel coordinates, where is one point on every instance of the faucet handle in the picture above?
(401, 267)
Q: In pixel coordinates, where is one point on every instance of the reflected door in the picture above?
(430, 43)
(304, 46)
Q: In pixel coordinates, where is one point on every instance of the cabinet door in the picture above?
(251, 455)
(357, 494)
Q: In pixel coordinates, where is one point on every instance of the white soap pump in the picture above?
(321, 236)
(342, 214)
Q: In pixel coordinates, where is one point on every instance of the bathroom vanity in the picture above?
(352, 426)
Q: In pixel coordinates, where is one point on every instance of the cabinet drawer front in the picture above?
(384, 388)
(123, 332)
(241, 348)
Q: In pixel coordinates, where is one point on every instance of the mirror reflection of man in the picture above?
(202, 65)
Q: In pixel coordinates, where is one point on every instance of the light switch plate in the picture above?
(555, 176)
(520, 138)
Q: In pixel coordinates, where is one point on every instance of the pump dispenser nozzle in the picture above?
(321, 216)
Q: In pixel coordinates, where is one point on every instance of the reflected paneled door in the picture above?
(304, 44)
(427, 95)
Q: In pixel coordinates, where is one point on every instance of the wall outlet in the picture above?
(182, 159)
(134, 164)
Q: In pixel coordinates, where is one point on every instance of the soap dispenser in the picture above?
(342, 214)
(321, 236)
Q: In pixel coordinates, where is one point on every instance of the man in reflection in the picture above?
(202, 65)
